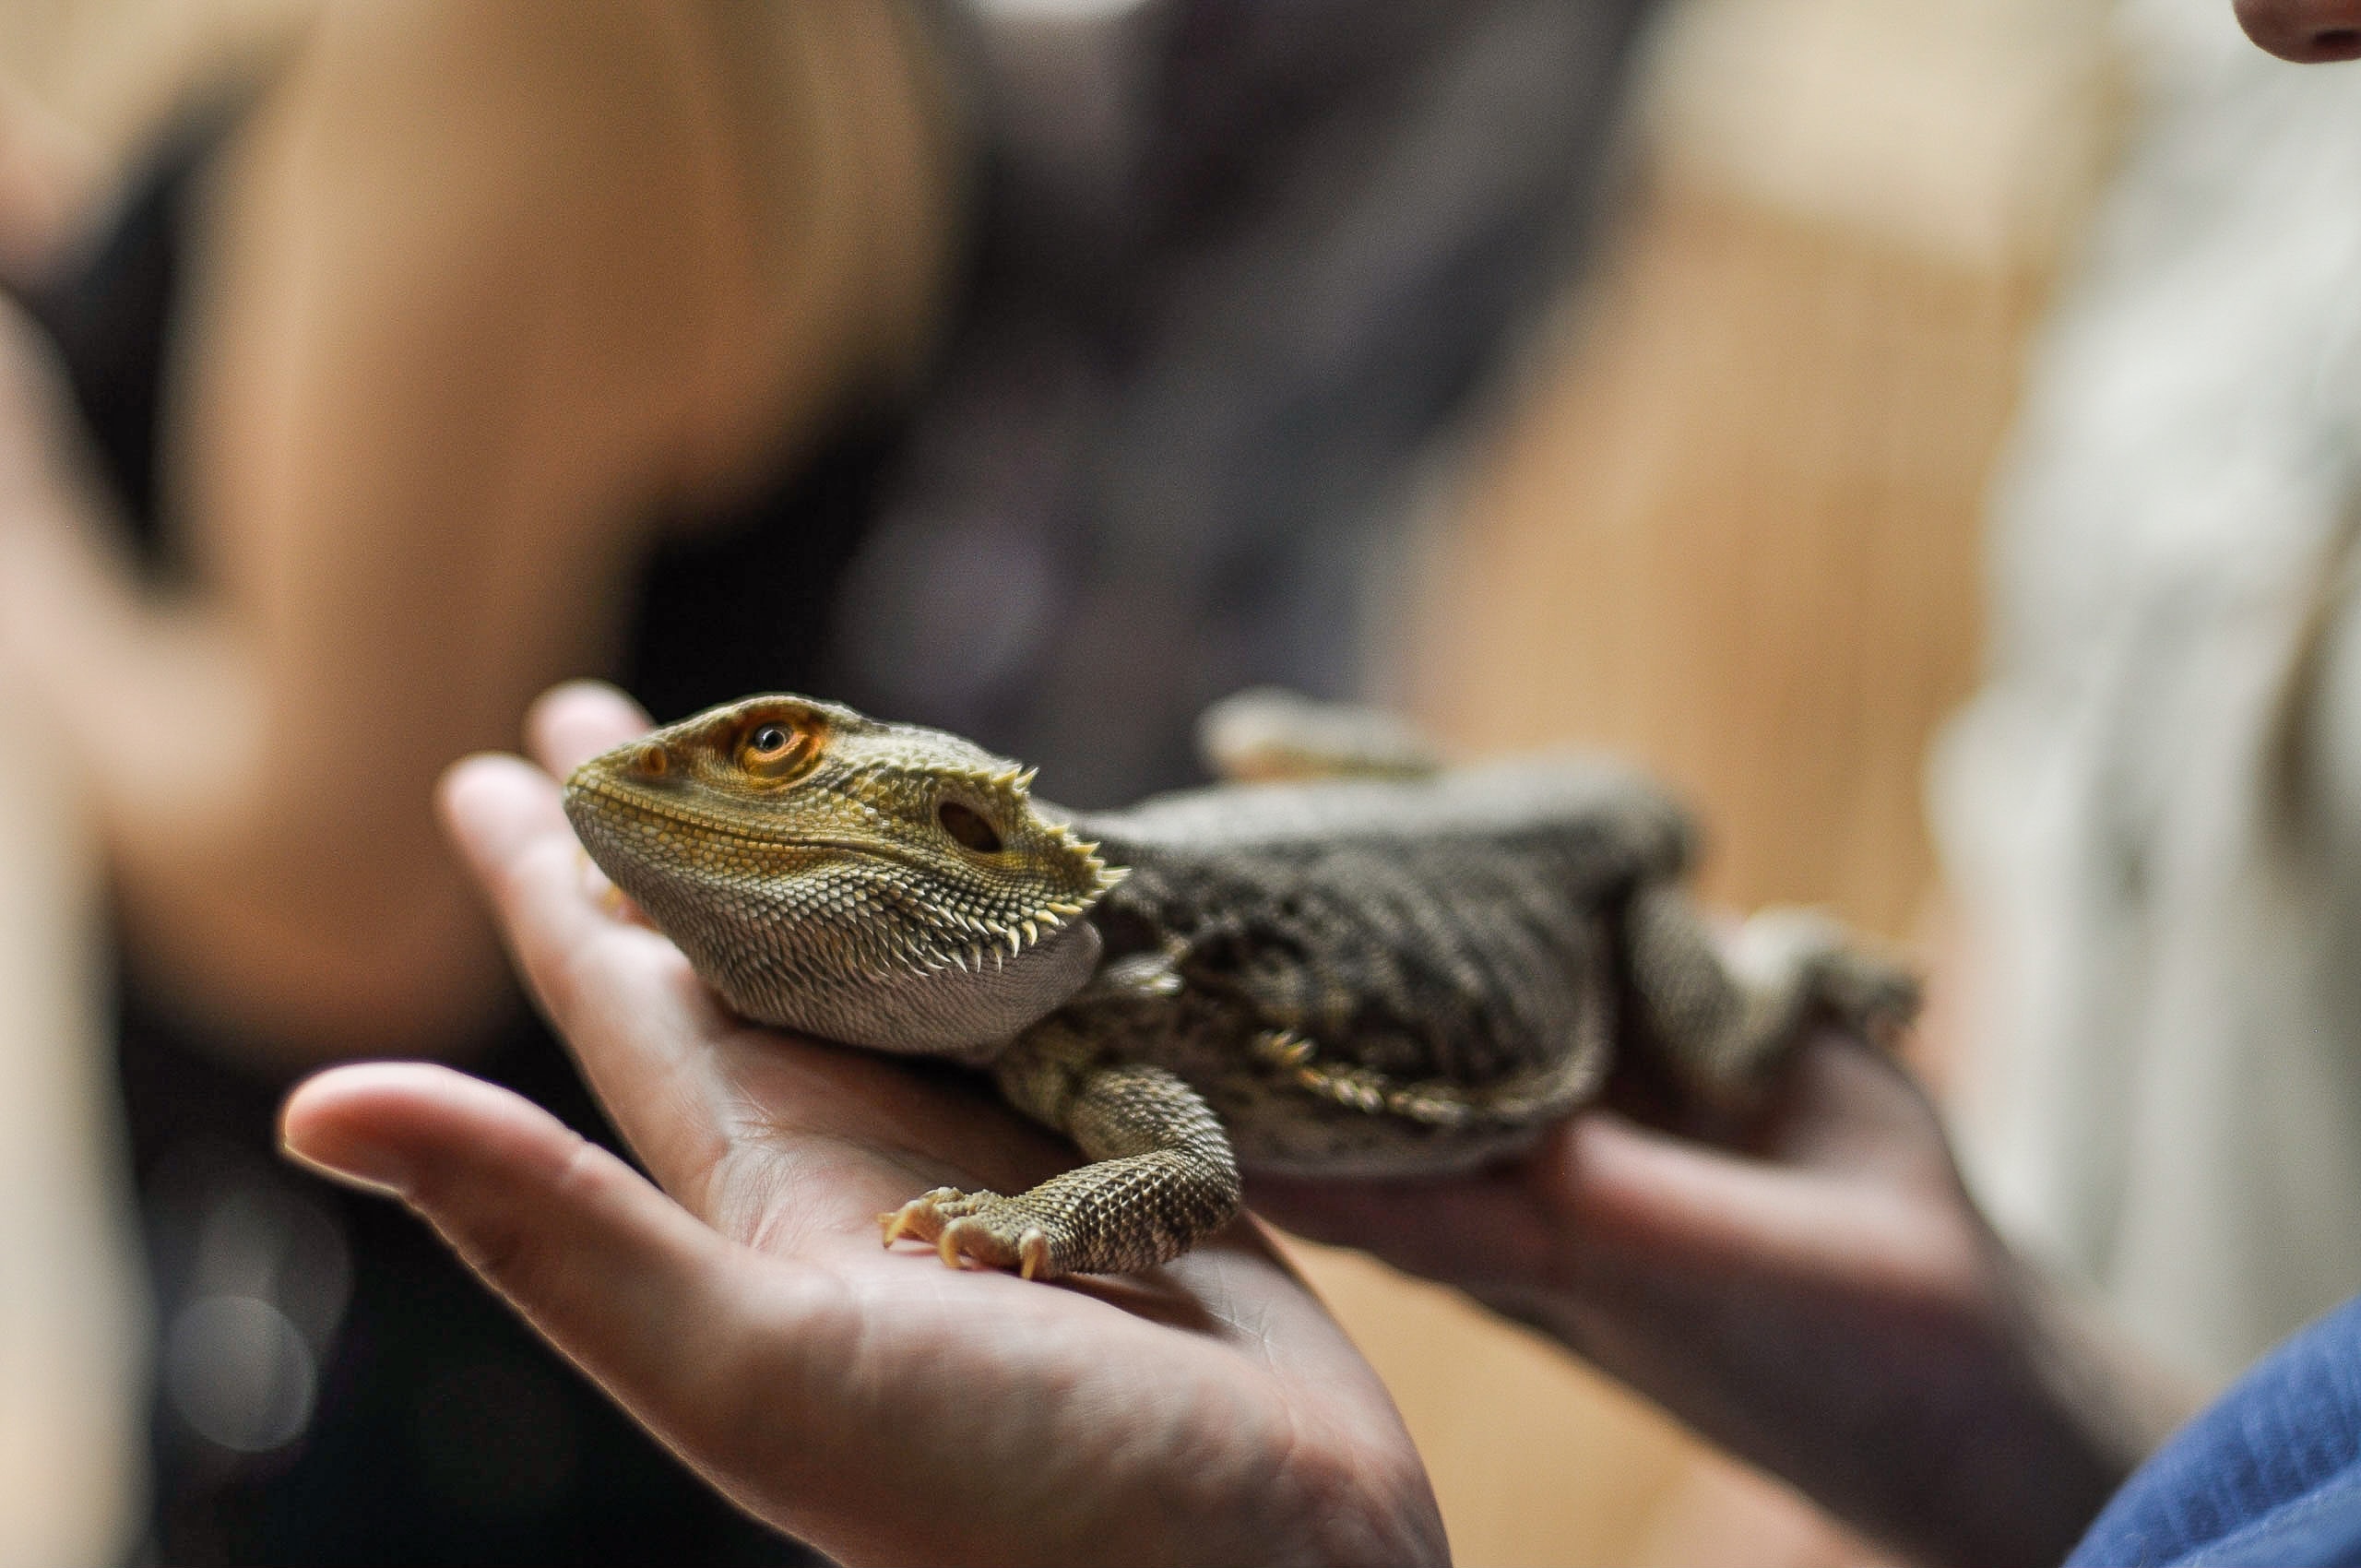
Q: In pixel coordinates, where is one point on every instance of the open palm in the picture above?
(871, 1402)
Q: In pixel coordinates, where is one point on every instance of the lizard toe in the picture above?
(973, 1237)
(999, 1239)
(1033, 1255)
(924, 1217)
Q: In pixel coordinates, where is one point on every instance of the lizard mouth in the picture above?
(967, 941)
(647, 805)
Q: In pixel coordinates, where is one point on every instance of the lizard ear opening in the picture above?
(967, 827)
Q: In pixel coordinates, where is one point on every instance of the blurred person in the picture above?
(1016, 368)
(2151, 812)
(397, 371)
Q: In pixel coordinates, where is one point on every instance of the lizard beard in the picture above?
(969, 1014)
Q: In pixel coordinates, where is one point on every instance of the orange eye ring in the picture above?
(776, 750)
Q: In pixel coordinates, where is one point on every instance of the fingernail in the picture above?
(370, 1166)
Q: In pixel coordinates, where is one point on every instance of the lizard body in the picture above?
(1396, 968)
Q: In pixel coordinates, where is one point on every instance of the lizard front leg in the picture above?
(1162, 1176)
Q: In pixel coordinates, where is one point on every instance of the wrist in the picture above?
(1956, 1438)
(1873, 1344)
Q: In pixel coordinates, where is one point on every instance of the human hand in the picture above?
(1814, 1291)
(870, 1401)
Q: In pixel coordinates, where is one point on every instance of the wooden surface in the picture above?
(1736, 538)
(1730, 532)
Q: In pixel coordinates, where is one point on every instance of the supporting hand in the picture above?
(871, 1402)
(1815, 1293)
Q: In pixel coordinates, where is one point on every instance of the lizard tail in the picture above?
(1520, 1099)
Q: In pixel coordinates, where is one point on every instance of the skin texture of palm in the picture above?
(1399, 969)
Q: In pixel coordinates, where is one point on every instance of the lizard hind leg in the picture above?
(1724, 1009)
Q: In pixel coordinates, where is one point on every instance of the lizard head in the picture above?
(881, 885)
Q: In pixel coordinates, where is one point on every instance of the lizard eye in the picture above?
(774, 751)
(967, 827)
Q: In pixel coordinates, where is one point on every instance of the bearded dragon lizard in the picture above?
(1368, 965)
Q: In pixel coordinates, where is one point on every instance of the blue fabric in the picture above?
(2270, 1473)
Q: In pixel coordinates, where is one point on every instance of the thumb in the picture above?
(611, 1271)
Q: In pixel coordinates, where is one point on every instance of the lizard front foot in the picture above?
(981, 1226)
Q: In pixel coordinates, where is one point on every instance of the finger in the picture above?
(572, 723)
(608, 1269)
(1612, 1178)
(622, 996)
(1465, 1229)
(665, 1315)
(1595, 1181)
(1631, 1196)
(568, 725)
(505, 816)
(1844, 1106)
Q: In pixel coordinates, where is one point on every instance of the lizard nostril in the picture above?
(650, 762)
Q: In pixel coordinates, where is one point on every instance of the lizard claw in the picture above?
(923, 1216)
(962, 1230)
(974, 1237)
(1033, 1252)
(953, 1244)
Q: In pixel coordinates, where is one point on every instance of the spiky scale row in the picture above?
(1019, 932)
